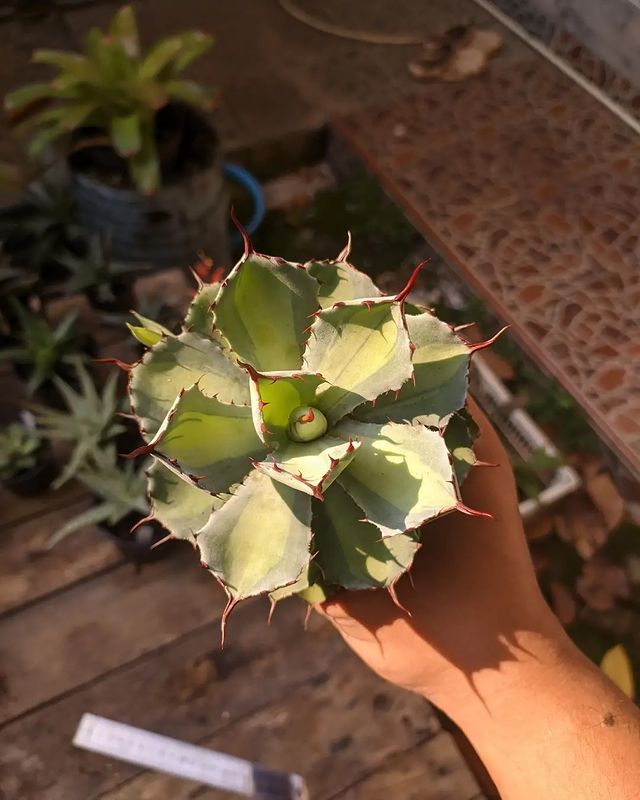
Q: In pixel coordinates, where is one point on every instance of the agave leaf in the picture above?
(401, 475)
(208, 442)
(28, 94)
(350, 552)
(310, 586)
(274, 395)
(362, 350)
(145, 336)
(441, 364)
(176, 363)
(72, 65)
(251, 551)
(179, 506)
(459, 436)
(263, 309)
(340, 281)
(309, 467)
(200, 317)
(152, 325)
(126, 135)
(194, 45)
(171, 55)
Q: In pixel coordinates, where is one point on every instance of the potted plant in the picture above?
(89, 423)
(107, 283)
(144, 157)
(37, 230)
(304, 427)
(26, 465)
(120, 507)
(41, 350)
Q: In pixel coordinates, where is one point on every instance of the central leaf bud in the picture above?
(306, 424)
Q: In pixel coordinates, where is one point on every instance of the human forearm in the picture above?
(547, 724)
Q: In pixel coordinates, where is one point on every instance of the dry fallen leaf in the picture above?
(580, 523)
(606, 499)
(616, 665)
(602, 583)
(502, 368)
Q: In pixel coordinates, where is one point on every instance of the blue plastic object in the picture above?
(241, 176)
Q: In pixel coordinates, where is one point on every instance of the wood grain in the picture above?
(52, 647)
(28, 572)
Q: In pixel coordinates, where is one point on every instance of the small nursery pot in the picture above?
(123, 296)
(188, 214)
(34, 481)
(137, 546)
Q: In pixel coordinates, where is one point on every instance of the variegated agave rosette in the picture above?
(303, 427)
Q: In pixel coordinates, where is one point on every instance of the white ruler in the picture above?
(153, 751)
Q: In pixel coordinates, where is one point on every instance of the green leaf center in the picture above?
(306, 423)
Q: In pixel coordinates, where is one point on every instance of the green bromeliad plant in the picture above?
(304, 427)
(114, 89)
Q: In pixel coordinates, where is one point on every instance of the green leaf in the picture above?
(194, 45)
(172, 55)
(459, 436)
(124, 30)
(92, 516)
(362, 350)
(176, 363)
(200, 317)
(28, 94)
(251, 551)
(42, 138)
(144, 167)
(207, 442)
(350, 552)
(179, 506)
(262, 310)
(192, 93)
(309, 467)
(274, 395)
(441, 365)
(401, 475)
(72, 65)
(145, 336)
(126, 135)
(340, 281)
(152, 325)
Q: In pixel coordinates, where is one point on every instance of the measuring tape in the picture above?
(162, 753)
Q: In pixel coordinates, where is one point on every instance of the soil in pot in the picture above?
(137, 546)
(185, 140)
(37, 479)
(118, 297)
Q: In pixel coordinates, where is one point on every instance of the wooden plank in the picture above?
(77, 635)
(334, 730)
(15, 509)
(189, 689)
(28, 573)
(434, 770)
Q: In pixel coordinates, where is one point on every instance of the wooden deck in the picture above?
(80, 630)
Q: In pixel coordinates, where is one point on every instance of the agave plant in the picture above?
(304, 428)
(89, 423)
(114, 88)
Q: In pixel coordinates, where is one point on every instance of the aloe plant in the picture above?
(42, 348)
(114, 88)
(304, 427)
(89, 423)
(20, 447)
(119, 488)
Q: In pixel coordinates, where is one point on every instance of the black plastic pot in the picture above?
(136, 546)
(34, 481)
(120, 298)
(188, 214)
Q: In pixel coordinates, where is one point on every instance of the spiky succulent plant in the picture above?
(303, 427)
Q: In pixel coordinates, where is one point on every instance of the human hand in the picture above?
(471, 595)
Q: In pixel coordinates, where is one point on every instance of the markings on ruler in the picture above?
(162, 753)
